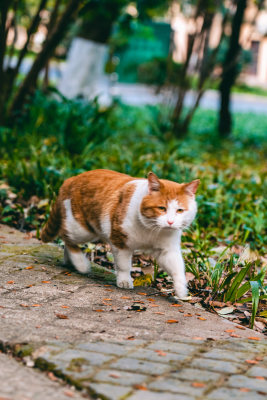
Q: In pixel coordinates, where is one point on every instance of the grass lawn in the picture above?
(228, 240)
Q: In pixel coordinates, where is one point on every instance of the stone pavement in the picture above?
(89, 342)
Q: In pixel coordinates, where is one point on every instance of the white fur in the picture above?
(76, 232)
(157, 237)
(78, 260)
(105, 226)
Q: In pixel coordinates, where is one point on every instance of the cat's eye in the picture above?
(162, 208)
(180, 210)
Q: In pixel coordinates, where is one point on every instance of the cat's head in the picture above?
(168, 205)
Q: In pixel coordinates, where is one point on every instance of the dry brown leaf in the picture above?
(64, 306)
(229, 330)
(240, 327)
(198, 338)
(36, 305)
(107, 299)
(142, 294)
(158, 312)
(254, 338)
(252, 362)
(46, 281)
(260, 377)
(188, 315)
(160, 353)
(38, 326)
(198, 384)
(176, 305)
(107, 285)
(125, 297)
(154, 305)
(52, 376)
(24, 305)
(244, 390)
(62, 316)
(29, 267)
(109, 290)
(99, 310)
(151, 299)
(10, 282)
(202, 318)
(130, 338)
(68, 393)
(172, 321)
(140, 387)
(235, 335)
(113, 375)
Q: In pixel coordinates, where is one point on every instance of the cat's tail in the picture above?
(52, 226)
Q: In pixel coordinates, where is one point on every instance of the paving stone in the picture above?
(241, 381)
(220, 354)
(153, 355)
(72, 354)
(234, 394)
(111, 392)
(107, 348)
(191, 374)
(120, 377)
(216, 365)
(244, 345)
(173, 347)
(147, 395)
(257, 371)
(140, 366)
(175, 386)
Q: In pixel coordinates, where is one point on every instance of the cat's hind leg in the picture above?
(123, 260)
(73, 255)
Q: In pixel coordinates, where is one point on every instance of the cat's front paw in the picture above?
(125, 284)
(181, 291)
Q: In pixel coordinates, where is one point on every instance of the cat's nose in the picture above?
(170, 222)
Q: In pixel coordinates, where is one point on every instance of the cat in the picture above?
(128, 213)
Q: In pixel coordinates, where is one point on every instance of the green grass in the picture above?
(57, 139)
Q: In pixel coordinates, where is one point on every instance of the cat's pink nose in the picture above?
(170, 222)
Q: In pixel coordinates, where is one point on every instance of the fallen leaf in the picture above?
(154, 305)
(46, 281)
(198, 384)
(188, 315)
(217, 304)
(113, 375)
(10, 282)
(38, 326)
(229, 330)
(99, 310)
(36, 305)
(142, 294)
(24, 305)
(244, 390)
(139, 387)
(259, 358)
(226, 310)
(176, 305)
(202, 318)
(260, 377)
(252, 362)
(151, 299)
(107, 299)
(160, 353)
(125, 297)
(235, 335)
(158, 312)
(68, 393)
(52, 376)
(198, 338)
(64, 306)
(130, 338)
(107, 285)
(29, 267)
(240, 327)
(199, 315)
(172, 321)
(62, 316)
(254, 338)
(29, 286)
(109, 290)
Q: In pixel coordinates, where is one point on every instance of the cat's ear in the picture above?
(153, 182)
(191, 187)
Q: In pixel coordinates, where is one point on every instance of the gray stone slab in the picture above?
(111, 392)
(216, 365)
(241, 381)
(191, 374)
(73, 354)
(234, 394)
(120, 377)
(153, 355)
(106, 347)
(220, 354)
(140, 366)
(257, 371)
(175, 386)
(172, 347)
(148, 395)
(18, 382)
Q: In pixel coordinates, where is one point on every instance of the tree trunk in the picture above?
(48, 48)
(230, 70)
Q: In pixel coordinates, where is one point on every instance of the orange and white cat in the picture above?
(128, 213)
